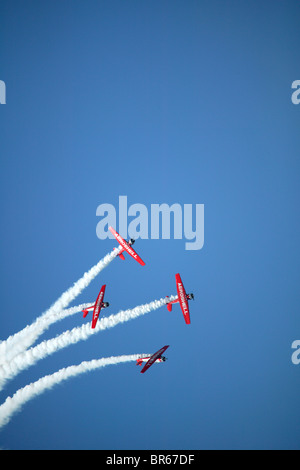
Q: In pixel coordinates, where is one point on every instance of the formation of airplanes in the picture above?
(182, 298)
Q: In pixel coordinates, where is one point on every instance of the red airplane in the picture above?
(156, 357)
(183, 299)
(97, 307)
(126, 246)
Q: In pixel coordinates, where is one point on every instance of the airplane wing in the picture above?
(126, 247)
(98, 306)
(183, 299)
(153, 358)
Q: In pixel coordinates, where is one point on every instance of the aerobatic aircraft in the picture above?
(183, 299)
(97, 307)
(126, 246)
(156, 357)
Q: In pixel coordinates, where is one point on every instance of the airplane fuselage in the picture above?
(145, 359)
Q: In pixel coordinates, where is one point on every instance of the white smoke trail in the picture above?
(15, 342)
(23, 339)
(44, 349)
(23, 395)
(82, 283)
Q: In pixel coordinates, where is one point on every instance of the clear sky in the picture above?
(183, 102)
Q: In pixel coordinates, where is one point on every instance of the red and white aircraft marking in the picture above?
(156, 357)
(126, 246)
(97, 307)
(183, 299)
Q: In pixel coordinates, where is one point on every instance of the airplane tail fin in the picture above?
(85, 312)
(169, 305)
(121, 254)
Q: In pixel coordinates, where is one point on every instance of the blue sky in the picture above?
(183, 102)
